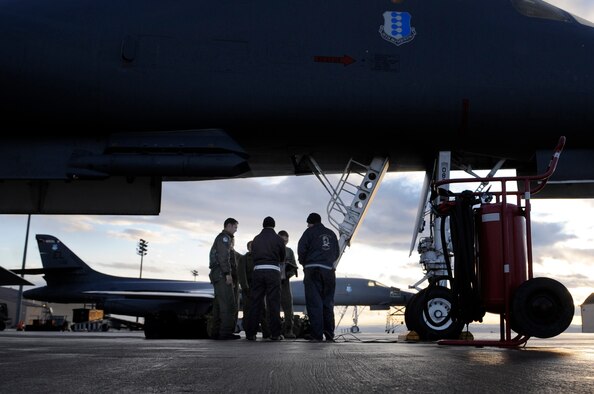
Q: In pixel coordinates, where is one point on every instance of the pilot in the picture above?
(318, 251)
(222, 270)
(288, 270)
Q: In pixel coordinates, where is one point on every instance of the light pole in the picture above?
(142, 251)
(20, 296)
(195, 273)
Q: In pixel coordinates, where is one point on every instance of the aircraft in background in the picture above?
(139, 92)
(358, 293)
(171, 308)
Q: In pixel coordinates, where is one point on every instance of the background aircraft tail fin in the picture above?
(60, 264)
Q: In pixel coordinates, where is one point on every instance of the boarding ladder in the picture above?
(351, 197)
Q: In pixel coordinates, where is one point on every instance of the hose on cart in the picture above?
(467, 304)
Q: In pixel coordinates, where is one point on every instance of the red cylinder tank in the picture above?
(495, 264)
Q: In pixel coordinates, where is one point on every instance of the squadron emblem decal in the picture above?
(396, 28)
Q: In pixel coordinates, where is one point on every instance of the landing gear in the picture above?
(160, 326)
(167, 325)
(489, 264)
(428, 313)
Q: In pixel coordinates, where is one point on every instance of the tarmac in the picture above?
(126, 362)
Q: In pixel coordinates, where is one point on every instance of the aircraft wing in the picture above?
(209, 294)
(42, 271)
(9, 278)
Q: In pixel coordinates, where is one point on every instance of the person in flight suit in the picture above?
(223, 269)
(318, 251)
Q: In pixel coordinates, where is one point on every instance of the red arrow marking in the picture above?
(345, 60)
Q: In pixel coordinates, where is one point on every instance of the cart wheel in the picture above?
(432, 315)
(541, 307)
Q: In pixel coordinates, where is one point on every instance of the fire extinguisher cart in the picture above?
(531, 307)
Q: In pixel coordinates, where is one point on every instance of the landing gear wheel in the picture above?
(152, 328)
(355, 329)
(431, 313)
(163, 325)
(410, 318)
(542, 308)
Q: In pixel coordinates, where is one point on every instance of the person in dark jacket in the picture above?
(268, 251)
(245, 270)
(317, 252)
(223, 270)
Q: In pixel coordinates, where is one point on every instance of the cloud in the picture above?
(546, 234)
(581, 8)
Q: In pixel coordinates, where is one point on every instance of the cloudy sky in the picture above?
(192, 215)
(582, 8)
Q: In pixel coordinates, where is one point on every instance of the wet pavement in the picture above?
(125, 362)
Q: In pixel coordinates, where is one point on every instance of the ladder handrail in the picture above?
(362, 193)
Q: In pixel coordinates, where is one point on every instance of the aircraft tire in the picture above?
(152, 328)
(163, 325)
(431, 315)
(411, 319)
(197, 329)
(2, 325)
(542, 308)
